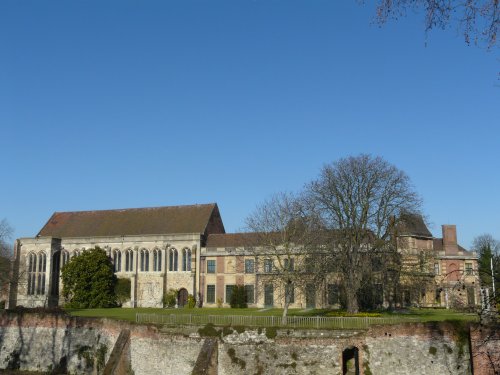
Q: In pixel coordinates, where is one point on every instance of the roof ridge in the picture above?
(138, 208)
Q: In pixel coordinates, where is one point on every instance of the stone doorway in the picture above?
(182, 297)
(350, 361)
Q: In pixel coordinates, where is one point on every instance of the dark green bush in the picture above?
(239, 297)
(89, 280)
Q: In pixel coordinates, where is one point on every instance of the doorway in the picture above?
(350, 361)
(182, 297)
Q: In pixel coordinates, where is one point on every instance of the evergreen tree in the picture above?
(89, 280)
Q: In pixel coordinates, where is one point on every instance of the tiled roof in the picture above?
(413, 225)
(438, 246)
(233, 240)
(132, 221)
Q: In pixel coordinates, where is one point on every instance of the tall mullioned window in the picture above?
(117, 260)
(157, 260)
(173, 260)
(186, 260)
(210, 293)
(229, 293)
(64, 258)
(129, 260)
(32, 274)
(42, 260)
(144, 260)
(250, 293)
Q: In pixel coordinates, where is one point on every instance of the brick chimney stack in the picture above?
(450, 244)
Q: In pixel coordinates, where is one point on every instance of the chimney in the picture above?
(450, 244)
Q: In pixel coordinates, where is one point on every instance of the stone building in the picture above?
(186, 248)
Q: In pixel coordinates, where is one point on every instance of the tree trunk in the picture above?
(285, 308)
(352, 299)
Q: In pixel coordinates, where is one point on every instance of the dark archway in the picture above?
(350, 361)
(182, 297)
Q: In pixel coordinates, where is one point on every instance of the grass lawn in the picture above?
(423, 315)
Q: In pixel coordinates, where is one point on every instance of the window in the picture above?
(129, 260)
(76, 253)
(157, 260)
(210, 293)
(290, 293)
(173, 260)
(468, 269)
(268, 295)
(268, 265)
(42, 259)
(186, 260)
(210, 266)
(436, 269)
(117, 260)
(250, 293)
(249, 266)
(32, 274)
(144, 260)
(65, 257)
(229, 293)
(333, 294)
(288, 264)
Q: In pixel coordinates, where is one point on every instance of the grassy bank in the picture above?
(423, 315)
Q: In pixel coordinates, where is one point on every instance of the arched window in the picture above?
(157, 260)
(64, 257)
(40, 286)
(144, 260)
(129, 260)
(117, 260)
(32, 274)
(76, 253)
(186, 260)
(173, 260)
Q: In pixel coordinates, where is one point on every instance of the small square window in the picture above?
(468, 269)
(268, 265)
(210, 266)
(249, 266)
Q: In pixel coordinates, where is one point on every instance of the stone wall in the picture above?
(38, 342)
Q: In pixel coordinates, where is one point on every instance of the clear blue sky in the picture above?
(116, 104)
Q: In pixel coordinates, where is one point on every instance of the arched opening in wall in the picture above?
(182, 297)
(350, 361)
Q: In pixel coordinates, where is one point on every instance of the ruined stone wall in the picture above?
(38, 342)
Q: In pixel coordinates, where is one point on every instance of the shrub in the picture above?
(239, 297)
(89, 280)
(122, 290)
(191, 302)
(219, 302)
(170, 298)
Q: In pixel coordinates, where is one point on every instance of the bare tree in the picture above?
(284, 245)
(478, 20)
(5, 256)
(359, 200)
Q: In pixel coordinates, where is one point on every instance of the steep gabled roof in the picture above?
(132, 221)
(413, 225)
